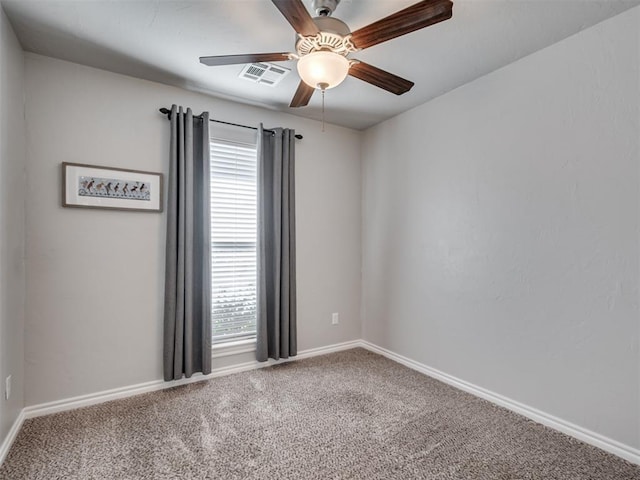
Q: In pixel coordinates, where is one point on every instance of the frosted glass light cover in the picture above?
(323, 67)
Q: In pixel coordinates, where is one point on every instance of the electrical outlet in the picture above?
(335, 319)
(7, 387)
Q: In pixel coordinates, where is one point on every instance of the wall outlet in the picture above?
(335, 319)
(7, 387)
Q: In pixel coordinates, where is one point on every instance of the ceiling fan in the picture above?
(324, 43)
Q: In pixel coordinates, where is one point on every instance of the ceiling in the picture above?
(161, 41)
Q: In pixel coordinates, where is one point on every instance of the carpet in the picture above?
(347, 415)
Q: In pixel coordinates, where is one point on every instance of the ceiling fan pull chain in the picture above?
(323, 110)
(323, 88)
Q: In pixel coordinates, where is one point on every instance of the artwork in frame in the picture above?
(92, 186)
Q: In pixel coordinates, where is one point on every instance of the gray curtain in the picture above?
(187, 307)
(276, 322)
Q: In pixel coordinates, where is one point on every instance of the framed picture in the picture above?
(91, 186)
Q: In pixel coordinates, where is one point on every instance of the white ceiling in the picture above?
(161, 41)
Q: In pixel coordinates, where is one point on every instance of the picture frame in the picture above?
(93, 186)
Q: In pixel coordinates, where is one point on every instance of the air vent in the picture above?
(264, 73)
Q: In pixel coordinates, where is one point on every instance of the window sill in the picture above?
(233, 348)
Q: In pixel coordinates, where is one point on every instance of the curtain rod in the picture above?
(167, 112)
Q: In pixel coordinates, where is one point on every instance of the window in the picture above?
(233, 240)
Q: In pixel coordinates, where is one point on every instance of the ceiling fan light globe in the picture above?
(326, 68)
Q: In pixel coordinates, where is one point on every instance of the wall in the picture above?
(95, 278)
(12, 220)
(500, 231)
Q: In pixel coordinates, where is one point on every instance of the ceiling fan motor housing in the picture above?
(332, 25)
(334, 36)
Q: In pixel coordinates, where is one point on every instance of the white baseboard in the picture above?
(155, 385)
(592, 438)
(11, 436)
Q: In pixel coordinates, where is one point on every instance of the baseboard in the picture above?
(155, 385)
(11, 436)
(592, 438)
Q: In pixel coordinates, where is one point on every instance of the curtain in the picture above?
(276, 320)
(187, 307)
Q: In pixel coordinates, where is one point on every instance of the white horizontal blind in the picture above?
(233, 240)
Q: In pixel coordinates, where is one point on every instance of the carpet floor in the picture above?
(347, 415)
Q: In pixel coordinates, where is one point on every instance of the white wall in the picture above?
(500, 231)
(95, 278)
(12, 219)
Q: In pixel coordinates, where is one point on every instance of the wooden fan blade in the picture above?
(246, 58)
(302, 96)
(385, 80)
(297, 15)
(415, 17)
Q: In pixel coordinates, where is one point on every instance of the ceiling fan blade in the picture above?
(385, 80)
(302, 96)
(246, 58)
(415, 17)
(298, 16)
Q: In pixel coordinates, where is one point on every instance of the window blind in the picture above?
(233, 240)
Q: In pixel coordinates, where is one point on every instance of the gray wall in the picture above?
(12, 219)
(95, 278)
(500, 231)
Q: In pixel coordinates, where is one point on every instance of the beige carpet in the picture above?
(348, 415)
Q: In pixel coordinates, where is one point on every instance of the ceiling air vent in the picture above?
(265, 73)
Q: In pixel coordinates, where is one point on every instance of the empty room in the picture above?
(320, 239)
